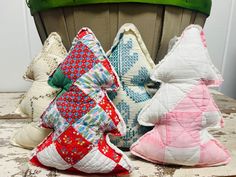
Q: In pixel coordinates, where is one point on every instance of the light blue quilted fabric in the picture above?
(133, 65)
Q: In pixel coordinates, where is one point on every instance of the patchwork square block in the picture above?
(82, 115)
(183, 107)
(133, 64)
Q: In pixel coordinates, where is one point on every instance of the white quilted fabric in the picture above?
(183, 108)
(186, 63)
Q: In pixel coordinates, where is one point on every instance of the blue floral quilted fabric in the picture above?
(133, 64)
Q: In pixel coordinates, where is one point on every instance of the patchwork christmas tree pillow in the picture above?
(133, 64)
(82, 115)
(183, 108)
(40, 94)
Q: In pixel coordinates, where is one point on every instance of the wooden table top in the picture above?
(14, 160)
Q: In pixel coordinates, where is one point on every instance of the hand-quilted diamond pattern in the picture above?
(82, 115)
(183, 107)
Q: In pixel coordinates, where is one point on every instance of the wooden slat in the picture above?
(40, 27)
(113, 23)
(157, 24)
(145, 17)
(200, 19)
(186, 20)
(175, 21)
(171, 25)
(70, 23)
(193, 16)
(95, 17)
(157, 32)
(54, 21)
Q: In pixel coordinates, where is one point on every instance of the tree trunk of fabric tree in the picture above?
(156, 23)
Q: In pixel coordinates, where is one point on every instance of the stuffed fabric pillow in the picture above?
(51, 55)
(29, 136)
(82, 115)
(183, 108)
(40, 94)
(131, 60)
(38, 97)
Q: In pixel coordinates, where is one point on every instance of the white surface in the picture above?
(220, 33)
(51, 158)
(19, 43)
(216, 29)
(17, 25)
(229, 60)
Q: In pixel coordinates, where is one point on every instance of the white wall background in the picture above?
(19, 43)
(220, 31)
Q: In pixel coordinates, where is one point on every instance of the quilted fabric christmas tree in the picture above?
(82, 115)
(133, 64)
(183, 108)
(40, 94)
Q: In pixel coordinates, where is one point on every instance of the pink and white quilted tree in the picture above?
(183, 108)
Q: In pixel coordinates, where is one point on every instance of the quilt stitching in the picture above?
(86, 114)
(181, 126)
